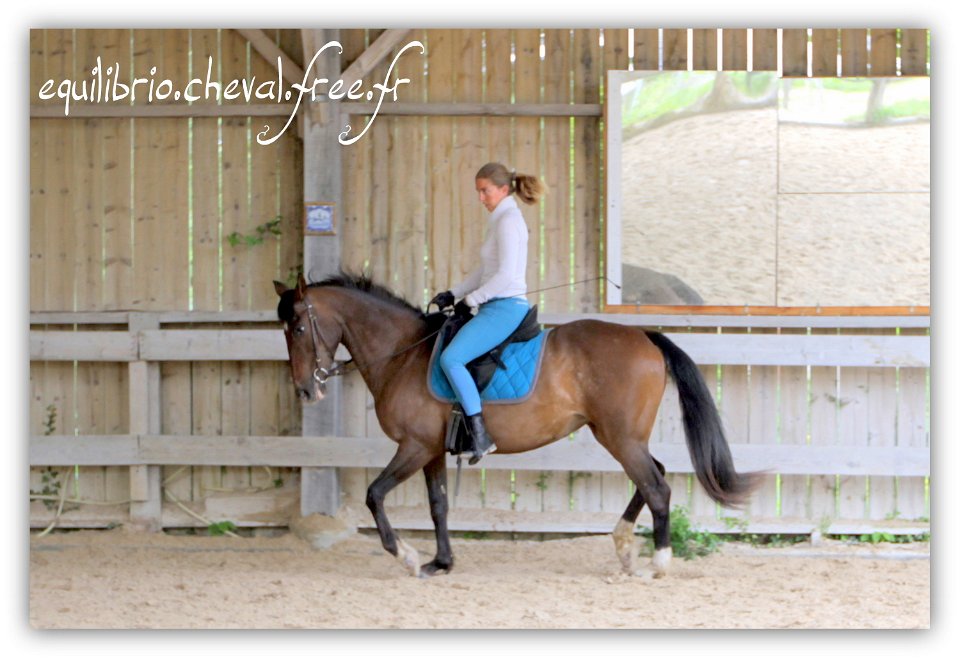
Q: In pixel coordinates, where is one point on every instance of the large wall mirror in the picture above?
(743, 188)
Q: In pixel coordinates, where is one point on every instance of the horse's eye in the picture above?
(299, 331)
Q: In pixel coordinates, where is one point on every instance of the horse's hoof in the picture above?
(623, 542)
(434, 568)
(409, 557)
(661, 562)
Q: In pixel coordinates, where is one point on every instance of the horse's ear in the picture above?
(301, 285)
(280, 287)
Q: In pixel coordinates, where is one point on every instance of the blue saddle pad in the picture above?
(512, 385)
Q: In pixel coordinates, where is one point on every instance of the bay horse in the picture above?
(608, 376)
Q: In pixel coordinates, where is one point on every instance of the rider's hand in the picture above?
(442, 300)
(462, 309)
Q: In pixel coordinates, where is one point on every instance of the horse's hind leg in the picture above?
(409, 458)
(646, 473)
(436, 476)
(623, 536)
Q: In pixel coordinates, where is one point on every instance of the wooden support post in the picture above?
(144, 377)
(320, 487)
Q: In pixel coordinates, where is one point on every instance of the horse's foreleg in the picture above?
(409, 458)
(436, 475)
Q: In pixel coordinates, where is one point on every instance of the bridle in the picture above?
(321, 374)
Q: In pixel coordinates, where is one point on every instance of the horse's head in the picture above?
(312, 337)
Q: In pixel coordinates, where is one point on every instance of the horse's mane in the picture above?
(365, 283)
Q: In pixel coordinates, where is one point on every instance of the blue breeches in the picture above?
(494, 322)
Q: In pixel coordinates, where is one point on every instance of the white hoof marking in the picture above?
(661, 561)
(409, 557)
(623, 542)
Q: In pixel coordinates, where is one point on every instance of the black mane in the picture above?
(347, 280)
(365, 283)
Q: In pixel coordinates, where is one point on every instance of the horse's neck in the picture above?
(373, 331)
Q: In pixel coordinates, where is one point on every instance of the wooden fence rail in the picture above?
(146, 345)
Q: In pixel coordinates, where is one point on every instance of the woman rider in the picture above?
(497, 287)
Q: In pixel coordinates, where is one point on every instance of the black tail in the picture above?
(706, 442)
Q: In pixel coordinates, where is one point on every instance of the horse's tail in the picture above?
(706, 441)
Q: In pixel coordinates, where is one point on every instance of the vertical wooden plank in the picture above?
(853, 423)
(616, 49)
(58, 253)
(824, 397)
(764, 49)
(794, 52)
(238, 261)
(735, 402)
(59, 247)
(498, 88)
(674, 50)
(160, 153)
(794, 412)
(556, 247)
(883, 52)
(118, 276)
(586, 227)
(912, 431)
(88, 189)
(527, 141)
(764, 414)
(825, 48)
(646, 50)
(853, 52)
(355, 243)
(40, 191)
(176, 419)
(265, 170)
(444, 272)
(704, 49)
(734, 49)
(87, 219)
(913, 52)
(146, 494)
(206, 240)
(881, 432)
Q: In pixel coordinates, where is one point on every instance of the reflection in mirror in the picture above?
(697, 171)
(739, 188)
(854, 209)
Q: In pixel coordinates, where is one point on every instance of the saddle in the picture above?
(482, 369)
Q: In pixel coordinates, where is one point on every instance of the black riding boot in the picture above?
(482, 442)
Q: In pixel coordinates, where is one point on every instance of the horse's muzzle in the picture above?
(312, 394)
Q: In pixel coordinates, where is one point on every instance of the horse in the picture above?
(607, 376)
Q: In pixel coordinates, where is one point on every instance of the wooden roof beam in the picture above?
(372, 56)
(292, 72)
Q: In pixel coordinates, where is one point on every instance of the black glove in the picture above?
(462, 309)
(442, 300)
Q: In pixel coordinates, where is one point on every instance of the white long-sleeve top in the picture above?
(502, 272)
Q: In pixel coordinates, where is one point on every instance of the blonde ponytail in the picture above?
(527, 187)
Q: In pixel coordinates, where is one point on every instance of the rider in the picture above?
(497, 286)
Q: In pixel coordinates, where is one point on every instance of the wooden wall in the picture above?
(135, 213)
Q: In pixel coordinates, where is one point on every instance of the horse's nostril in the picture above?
(303, 394)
